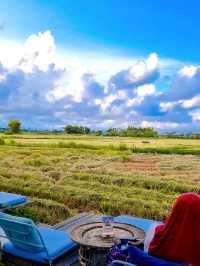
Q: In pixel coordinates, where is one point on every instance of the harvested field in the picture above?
(64, 181)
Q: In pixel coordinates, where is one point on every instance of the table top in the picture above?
(90, 234)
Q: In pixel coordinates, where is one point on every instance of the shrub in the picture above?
(123, 147)
(14, 126)
(12, 142)
(2, 141)
(44, 211)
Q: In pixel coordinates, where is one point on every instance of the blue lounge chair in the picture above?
(29, 242)
(10, 200)
(139, 222)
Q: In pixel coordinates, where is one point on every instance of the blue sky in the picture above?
(169, 27)
(100, 63)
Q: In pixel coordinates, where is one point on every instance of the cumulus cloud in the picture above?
(40, 87)
(39, 51)
(193, 102)
(110, 100)
(186, 84)
(143, 72)
(168, 106)
(160, 125)
(195, 115)
(145, 90)
(92, 88)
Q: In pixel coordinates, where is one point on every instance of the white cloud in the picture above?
(140, 73)
(168, 106)
(160, 125)
(145, 90)
(10, 52)
(186, 104)
(152, 62)
(141, 69)
(188, 71)
(134, 101)
(45, 86)
(186, 84)
(193, 102)
(139, 94)
(2, 77)
(195, 115)
(70, 85)
(106, 102)
(39, 50)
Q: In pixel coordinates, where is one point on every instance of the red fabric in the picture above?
(179, 238)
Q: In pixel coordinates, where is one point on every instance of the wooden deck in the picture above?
(70, 259)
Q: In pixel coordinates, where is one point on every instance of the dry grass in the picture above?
(107, 181)
(102, 140)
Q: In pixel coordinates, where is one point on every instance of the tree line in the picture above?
(14, 127)
(127, 132)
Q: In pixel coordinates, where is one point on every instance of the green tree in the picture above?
(112, 132)
(98, 132)
(14, 126)
(149, 132)
(70, 129)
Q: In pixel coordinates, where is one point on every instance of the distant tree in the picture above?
(86, 130)
(149, 132)
(132, 132)
(56, 131)
(98, 132)
(70, 129)
(112, 132)
(14, 126)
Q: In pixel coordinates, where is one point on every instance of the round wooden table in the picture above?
(94, 246)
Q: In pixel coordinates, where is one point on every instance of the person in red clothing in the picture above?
(179, 238)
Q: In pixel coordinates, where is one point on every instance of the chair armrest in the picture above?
(122, 263)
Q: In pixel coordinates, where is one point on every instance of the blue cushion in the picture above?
(10, 199)
(57, 243)
(21, 232)
(141, 258)
(139, 222)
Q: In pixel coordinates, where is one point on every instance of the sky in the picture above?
(101, 64)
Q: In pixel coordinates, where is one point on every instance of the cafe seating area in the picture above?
(79, 240)
(54, 245)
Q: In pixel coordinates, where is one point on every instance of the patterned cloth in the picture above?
(118, 252)
(129, 253)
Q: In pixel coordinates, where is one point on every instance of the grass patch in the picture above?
(176, 149)
(44, 211)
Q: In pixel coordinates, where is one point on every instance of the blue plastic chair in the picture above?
(9, 200)
(27, 241)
